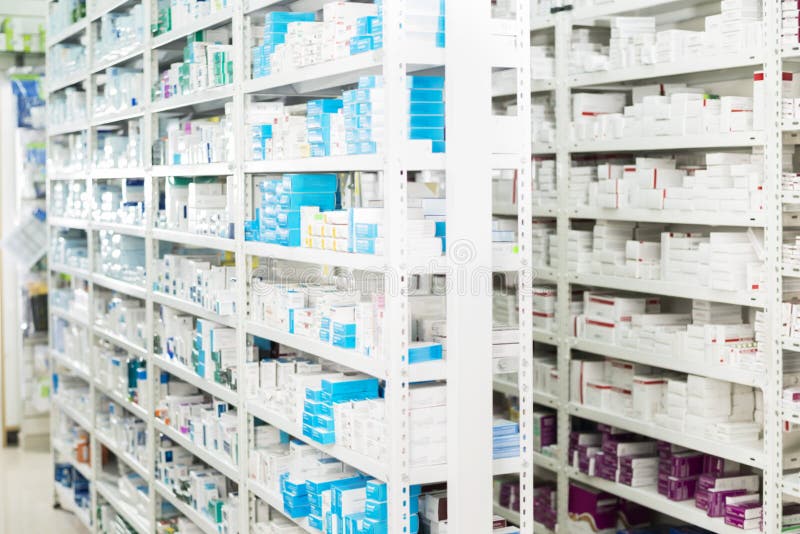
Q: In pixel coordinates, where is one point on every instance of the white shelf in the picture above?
(193, 309)
(72, 413)
(364, 162)
(419, 372)
(118, 116)
(199, 169)
(344, 71)
(126, 229)
(219, 18)
(187, 375)
(133, 172)
(505, 386)
(669, 362)
(543, 336)
(120, 341)
(201, 520)
(62, 83)
(200, 97)
(82, 468)
(71, 271)
(506, 513)
(745, 453)
(122, 455)
(130, 406)
(107, 6)
(70, 316)
(117, 501)
(221, 464)
(116, 59)
(195, 240)
(730, 140)
(548, 462)
(667, 289)
(545, 399)
(71, 30)
(119, 286)
(78, 369)
(65, 222)
(68, 128)
(710, 218)
(275, 500)
(648, 496)
(737, 60)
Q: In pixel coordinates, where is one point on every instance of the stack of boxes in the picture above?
(541, 230)
(207, 62)
(325, 127)
(544, 431)
(678, 470)
(171, 14)
(544, 182)
(276, 26)
(281, 202)
(369, 33)
(214, 351)
(505, 439)
(318, 413)
(630, 37)
(545, 499)
(544, 307)
(202, 280)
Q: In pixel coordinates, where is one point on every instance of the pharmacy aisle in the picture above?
(663, 177)
(256, 228)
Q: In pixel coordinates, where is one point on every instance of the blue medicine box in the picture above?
(434, 134)
(288, 219)
(368, 82)
(323, 422)
(426, 108)
(309, 183)
(424, 352)
(376, 510)
(344, 329)
(425, 95)
(344, 342)
(315, 522)
(425, 82)
(313, 394)
(288, 237)
(365, 246)
(295, 201)
(376, 490)
(366, 230)
(289, 16)
(360, 44)
(327, 105)
(426, 121)
(367, 25)
(346, 386)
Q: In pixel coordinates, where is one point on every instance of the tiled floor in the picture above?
(26, 496)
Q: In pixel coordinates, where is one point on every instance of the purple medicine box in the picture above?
(716, 500)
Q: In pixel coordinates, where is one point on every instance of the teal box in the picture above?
(425, 82)
(323, 422)
(434, 134)
(426, 108)
(327, 105)
(366, 230)
(426, 121)
(344, 329)
(376, 510)
(313, 394)
(376, 490)
(425, 95)
(344, 342)
(425, 353)
(288, 219)
(295, 201)
(310, 183)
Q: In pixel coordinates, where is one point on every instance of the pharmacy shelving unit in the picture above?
(773, 456)
(470, 468)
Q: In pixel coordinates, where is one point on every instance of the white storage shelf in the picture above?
(557, 28)
(314, 81)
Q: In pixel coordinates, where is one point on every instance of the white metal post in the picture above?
(468, 85)
(245, 513)
(773, 389)
(525, 279)
(395, 280)
(563, 29)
